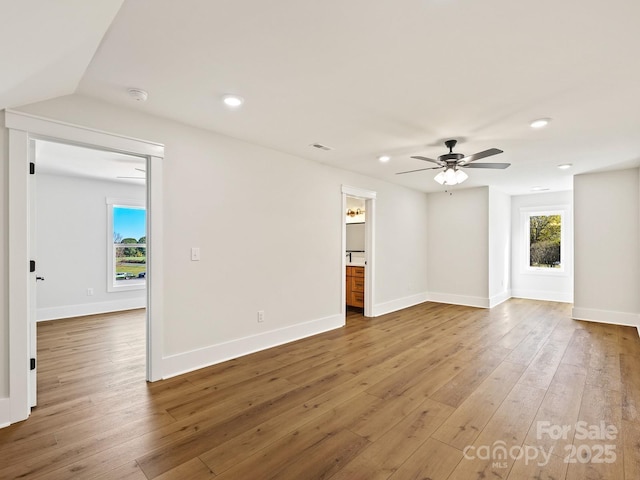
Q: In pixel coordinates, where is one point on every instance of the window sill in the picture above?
(130, 285)
(548, 272)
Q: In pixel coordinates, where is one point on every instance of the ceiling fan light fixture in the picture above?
(461, 176)
(440, 178)
(450, 176)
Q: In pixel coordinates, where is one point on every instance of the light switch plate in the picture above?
(195, 254)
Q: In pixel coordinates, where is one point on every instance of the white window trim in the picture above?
(128, 203)
(525, 214)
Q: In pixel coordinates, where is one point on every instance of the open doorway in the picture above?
(358, 252)
(89, 242)
(24, 130)
(355, 254)
(90, 230)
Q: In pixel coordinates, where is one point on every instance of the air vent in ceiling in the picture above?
(320, 146)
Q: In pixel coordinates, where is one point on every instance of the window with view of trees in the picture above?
(128, 247)
(545, 240)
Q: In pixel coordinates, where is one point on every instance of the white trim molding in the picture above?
(627, 319)
(454, 299)
(23, 130)
(204, 357)
(499, 298)
(5, 412)
(399, 304)
(72, 133)
(564, 211)
(83, 309)
(547, 296)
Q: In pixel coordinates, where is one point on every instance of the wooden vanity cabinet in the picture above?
(355, 286)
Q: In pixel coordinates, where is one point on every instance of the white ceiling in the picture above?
(74, 161)
(46, 46)
(400, 77)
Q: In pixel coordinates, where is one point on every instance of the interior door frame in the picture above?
(23, 129)
(369, 197)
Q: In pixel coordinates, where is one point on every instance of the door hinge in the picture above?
(32, 266)
(32, 168)
(32, 364)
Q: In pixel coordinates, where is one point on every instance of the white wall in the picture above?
(552, 286)
(71, 238)
(458, 236)
(401, 248)
(233, 200)
(499, 246)
(607, 246)
(4, 263)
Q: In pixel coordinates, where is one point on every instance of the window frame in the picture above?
(525, 220)
(112, 285)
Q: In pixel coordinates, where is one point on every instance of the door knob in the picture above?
(40, 278)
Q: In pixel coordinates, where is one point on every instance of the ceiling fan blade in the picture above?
(479, 155)
(486, 165)
(418, 170)
(417, 157)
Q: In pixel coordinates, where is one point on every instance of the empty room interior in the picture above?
(320, 240)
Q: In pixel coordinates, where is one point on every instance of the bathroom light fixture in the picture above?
(233, 101)
(540, 123)
(353, 212)
(451, 176)
(565, 166)
(384, 158)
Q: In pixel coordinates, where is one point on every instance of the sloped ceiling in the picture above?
(365, 78)
(46, 46)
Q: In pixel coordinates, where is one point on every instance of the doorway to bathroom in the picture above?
(358, 252)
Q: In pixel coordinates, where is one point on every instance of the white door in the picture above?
(34, 278)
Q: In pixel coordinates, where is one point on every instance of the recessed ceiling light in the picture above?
(384, 158)
(565, 166)
(539, 189)
(138, 94)
(540, 123)
(232, 101)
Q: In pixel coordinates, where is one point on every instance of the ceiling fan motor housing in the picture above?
(450, 157)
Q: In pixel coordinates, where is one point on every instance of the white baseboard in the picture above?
(399, 304)
(68, 311)
(5, 412)
(547, 296)
(189, 361)
(499, 298)
(607, 316)
(454, 299)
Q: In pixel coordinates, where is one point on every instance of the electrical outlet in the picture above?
(89, 292)
(260, 316)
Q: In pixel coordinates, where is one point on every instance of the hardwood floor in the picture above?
(431, 392)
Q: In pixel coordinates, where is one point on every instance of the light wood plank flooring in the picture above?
(425, 393)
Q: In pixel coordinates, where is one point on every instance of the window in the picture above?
(544, 236)
(127, 245)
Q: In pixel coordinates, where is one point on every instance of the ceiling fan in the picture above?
(137, 178)
(452, 162)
